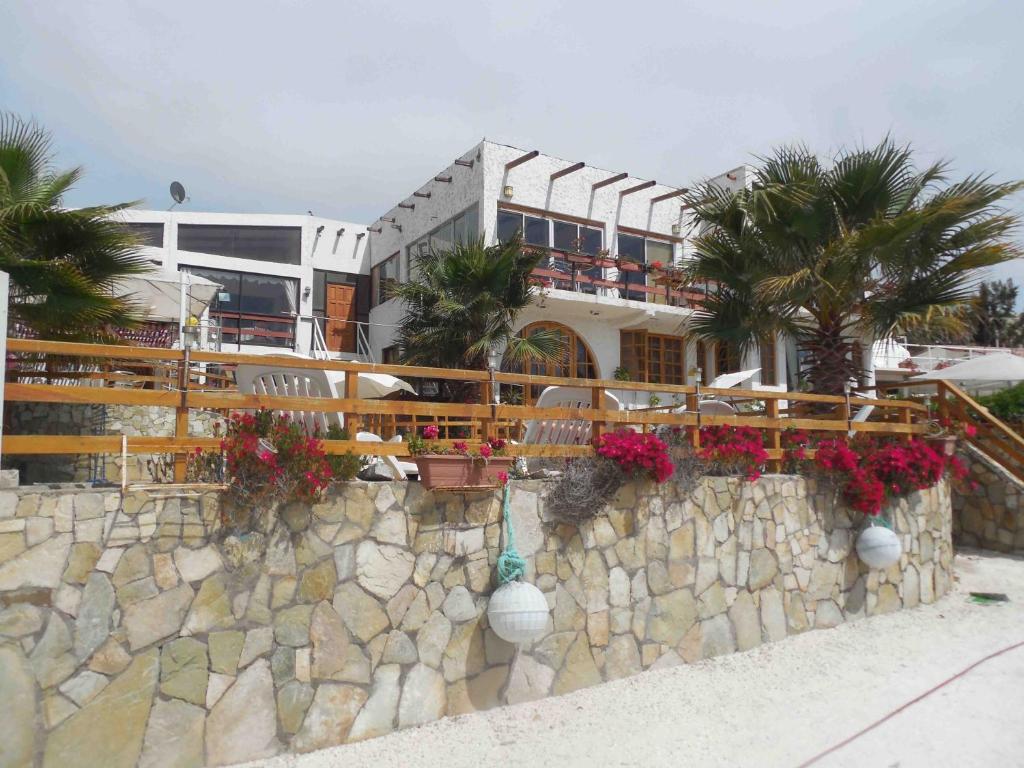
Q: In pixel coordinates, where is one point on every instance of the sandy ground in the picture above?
(778, 705)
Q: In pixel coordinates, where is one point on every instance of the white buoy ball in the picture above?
(878, 546)
(518, 612)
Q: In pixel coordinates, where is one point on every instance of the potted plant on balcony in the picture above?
(625, 265)
(459, 466)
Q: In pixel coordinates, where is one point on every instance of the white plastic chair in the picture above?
(310, 382)
(565, 431)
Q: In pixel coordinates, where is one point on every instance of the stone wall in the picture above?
(75, 419)
(991, 515)
(129, 635)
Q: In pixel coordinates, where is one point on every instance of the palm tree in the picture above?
(64, 264)
(463, 303)
(840, 255)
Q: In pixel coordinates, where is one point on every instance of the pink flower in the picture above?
(485, 451)
(430, 432)
(460, 447)
(503, 478)
(970, 430)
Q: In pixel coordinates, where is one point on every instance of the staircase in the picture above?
(992, 438)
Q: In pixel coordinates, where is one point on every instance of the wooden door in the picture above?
(341, 318)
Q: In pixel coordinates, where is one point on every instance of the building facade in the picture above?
(296, 283)
(617, 319)
(320, 286)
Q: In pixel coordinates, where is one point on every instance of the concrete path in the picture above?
(778, 705)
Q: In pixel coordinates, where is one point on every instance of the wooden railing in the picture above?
(183, 385)
(989, 435)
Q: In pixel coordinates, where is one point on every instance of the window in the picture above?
(148, 233)
(253, 309)
(727, 358)
(577, 361)
(560, 235)
(653, 357)
(641, 250)
(459, 230)
(389, 355)
(382, 278)
(282, 245)
(769, 369)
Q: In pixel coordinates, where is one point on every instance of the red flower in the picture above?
(485, 451)
(430, 432)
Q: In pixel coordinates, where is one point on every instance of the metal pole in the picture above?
(4, 288)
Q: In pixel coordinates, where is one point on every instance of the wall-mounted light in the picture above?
(676, 229)
(507, 190)
(305, 293)
(320, 229)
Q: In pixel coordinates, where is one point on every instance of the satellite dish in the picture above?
(177, 192)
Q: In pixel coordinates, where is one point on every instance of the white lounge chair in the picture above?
(313, 382)
(565, 431)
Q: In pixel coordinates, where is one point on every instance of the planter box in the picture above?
(461, 472)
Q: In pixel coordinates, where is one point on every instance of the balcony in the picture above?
(583, 273)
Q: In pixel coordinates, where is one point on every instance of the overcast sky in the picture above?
(344, 108)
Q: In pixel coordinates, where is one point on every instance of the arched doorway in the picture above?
(577, 363)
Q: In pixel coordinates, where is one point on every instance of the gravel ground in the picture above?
(778, 705)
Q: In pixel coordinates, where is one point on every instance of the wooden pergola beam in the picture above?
(421, 194)
(521, 159)
(443, 179)
(409, 206)
(609, 180)
(566, 171)
(637, 188)
(669, 195)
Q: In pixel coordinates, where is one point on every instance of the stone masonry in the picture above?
(75, 419)
(991, 515)
(127, 638)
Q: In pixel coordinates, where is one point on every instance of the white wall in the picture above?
(345, 253)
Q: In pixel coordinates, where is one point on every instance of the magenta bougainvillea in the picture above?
(733, 450)
(872, 471)
(637, 454)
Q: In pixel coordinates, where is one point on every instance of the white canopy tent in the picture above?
(164, 292)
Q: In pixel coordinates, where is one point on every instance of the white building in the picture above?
(277, 272)
(282, 274)
(612, 318)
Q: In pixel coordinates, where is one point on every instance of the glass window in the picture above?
(536, 231)
(769, 370)
(566, 236)
(382, 278)
(253, 309)
(151, 234)
(590, 240)
(727, 358)
(577, 361)
(631, 248)
(278, 244)
(508, 224)
(652, 357)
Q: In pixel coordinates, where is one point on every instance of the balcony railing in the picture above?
(584, 273)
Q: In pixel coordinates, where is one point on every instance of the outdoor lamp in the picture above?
(507, 190)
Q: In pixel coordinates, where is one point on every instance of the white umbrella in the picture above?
(997, 367)
(380, 385)
(727, 380)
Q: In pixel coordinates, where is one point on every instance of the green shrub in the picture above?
(1007, 404)
(344, 466)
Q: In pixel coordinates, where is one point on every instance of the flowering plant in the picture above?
(637, 454)
(873, 471)
(425, 445)
(733, 450)
(267, 459)
(795, 443)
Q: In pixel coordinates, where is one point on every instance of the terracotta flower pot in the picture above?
(461, 471)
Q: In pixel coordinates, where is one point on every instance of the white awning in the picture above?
(158, 293)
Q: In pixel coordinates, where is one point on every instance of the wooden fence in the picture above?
(59, 372)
